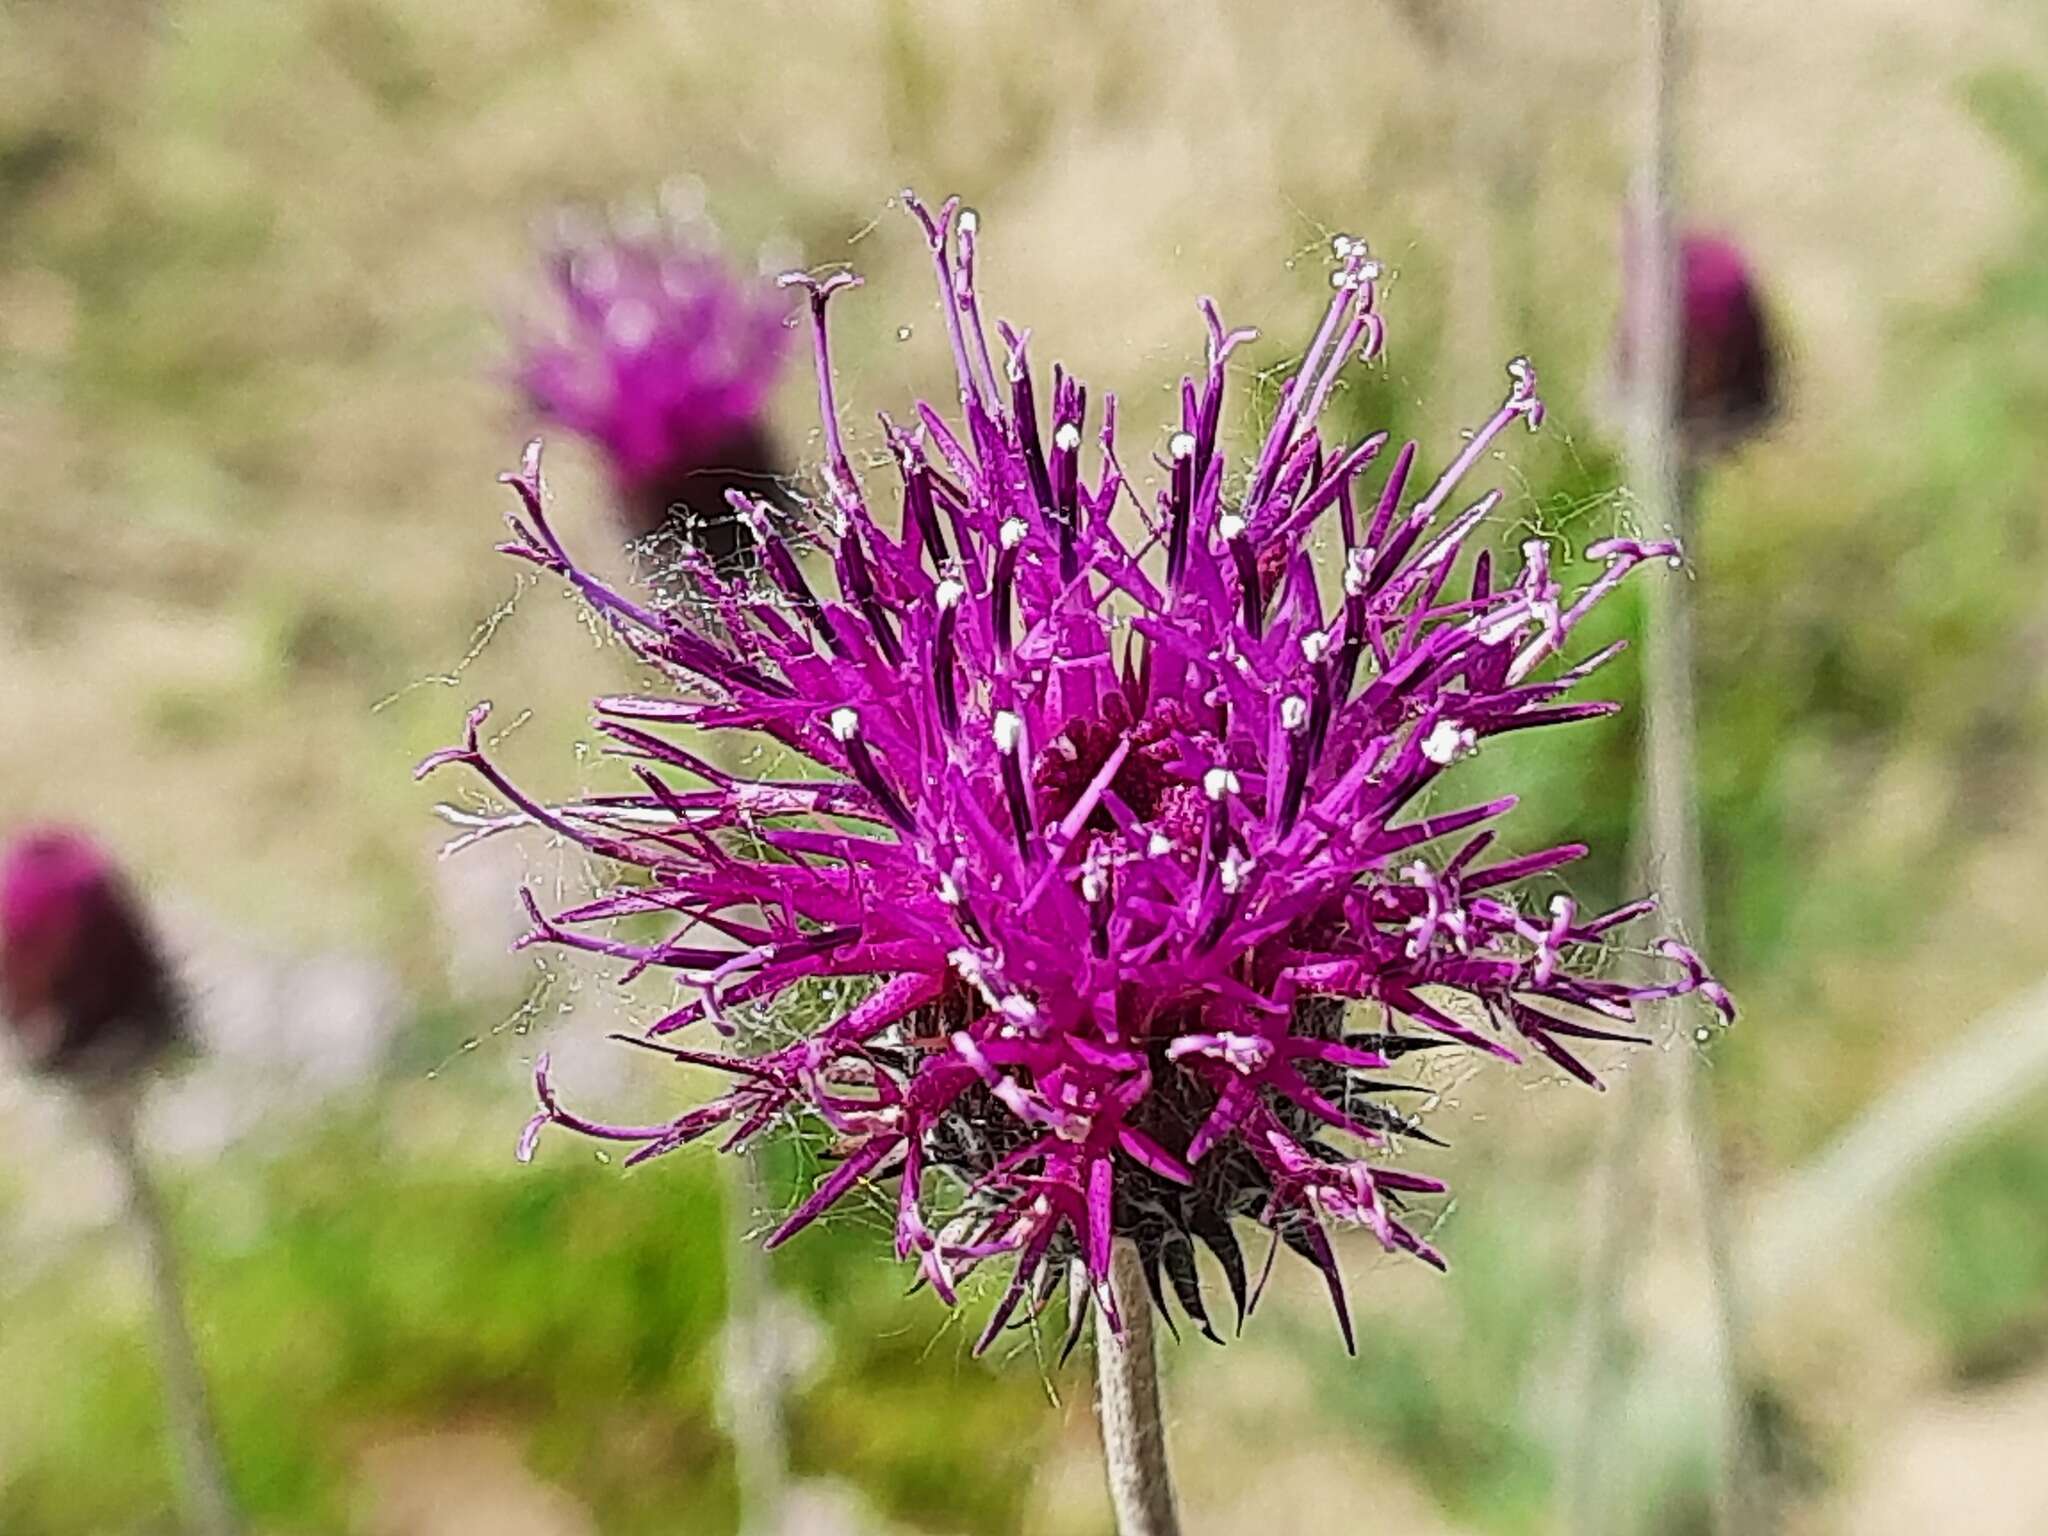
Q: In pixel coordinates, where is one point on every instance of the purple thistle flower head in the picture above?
(83, 984)
(1119, 846)
(664, 359)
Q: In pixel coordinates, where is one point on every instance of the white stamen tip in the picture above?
(1314, 646)
(1293, 713)
(1009, 730)
(970, 221)
(1357, 567)
(1231, 872)
(845, 724)
(948, 594)
(1535, 549)
(949, 891)
(1218, 782)
(1181, 446)
(1012, 532)
(1067, 438)
(1158, 845)
(1231, 526)
(1448, 741)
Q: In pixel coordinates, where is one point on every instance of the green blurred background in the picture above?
(256, 267)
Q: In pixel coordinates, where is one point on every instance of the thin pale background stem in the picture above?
(1669, 841)
(210, 1506)
(1128, 1406)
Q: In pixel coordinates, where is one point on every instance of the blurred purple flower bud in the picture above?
(83, 984)
(664, 359)
(1727, 375)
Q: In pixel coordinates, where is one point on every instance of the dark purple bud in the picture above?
(1727, 376)
(83, 984)
(1727, 366)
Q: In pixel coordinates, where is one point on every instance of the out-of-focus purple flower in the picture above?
(1727, 374)
(1108, 812)
(83, 983)
(664, 359)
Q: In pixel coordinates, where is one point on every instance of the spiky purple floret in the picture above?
(1115, 825)
(664, 357)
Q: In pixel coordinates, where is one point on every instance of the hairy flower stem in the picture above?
(210, 1507)
(1128, 1406)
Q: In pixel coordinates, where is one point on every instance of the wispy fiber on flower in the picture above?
(1114, 825)
(83, 984)
(664, 358)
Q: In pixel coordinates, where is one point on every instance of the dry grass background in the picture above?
(256, 263)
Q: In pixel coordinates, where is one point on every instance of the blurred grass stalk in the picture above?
(210, 1506)
(1933, 1112)
(1668, 839)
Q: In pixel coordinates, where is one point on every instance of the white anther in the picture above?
(1535, 549)
(1018, 1010)
(1218, 782)
(948, 594)
(1181, 446)
(1293, 713)
(1242, 1053)
(1231, 872)
(1357, 567)
(1314, 646)
(949, 891)
(1067, 437)
(1158, 845)
(1009, 731)
(1231, 525)
(1012, 532)
(1092, 886)
(970, 221)
(845, 724)
(1448, 741)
